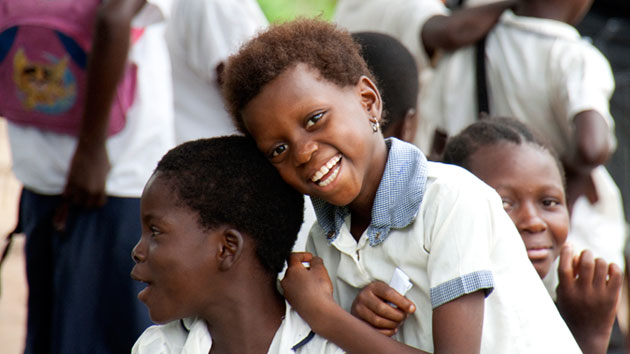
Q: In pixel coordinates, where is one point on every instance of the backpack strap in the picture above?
(483, 106)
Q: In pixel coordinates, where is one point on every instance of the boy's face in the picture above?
(173, 256)
(318, 135)
(530, 185)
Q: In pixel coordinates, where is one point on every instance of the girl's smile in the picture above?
(530, 184)
(318, 135)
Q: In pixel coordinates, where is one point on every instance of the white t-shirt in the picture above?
(460, 241)
(41, 159)
(191, 336)
(403, 20)
(200, 35)
(541, 72)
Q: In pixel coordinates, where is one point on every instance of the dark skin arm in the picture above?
(463, 27)
(85, 184)
(592, 148)
(588, 293)
(456, 325)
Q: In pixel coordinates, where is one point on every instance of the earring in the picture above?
(375, 124)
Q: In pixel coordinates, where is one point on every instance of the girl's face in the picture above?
(530, 185)
(172, 256)
(318, 135)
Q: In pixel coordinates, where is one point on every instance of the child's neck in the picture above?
(248, 322)
(361, 206)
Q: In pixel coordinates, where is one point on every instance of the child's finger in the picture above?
(586, 267)
(600, 273)
(393, 297)
(566, 272)
(615, 277)
(299, 257)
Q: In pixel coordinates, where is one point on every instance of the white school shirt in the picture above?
(403, 20)
(543, 73)
(41, 159)
(191, 336)
(457, 241)
(200, 35)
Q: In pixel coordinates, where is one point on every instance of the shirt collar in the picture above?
(544, 26)
(397, 199)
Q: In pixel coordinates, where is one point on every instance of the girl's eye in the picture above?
(154, 231)
(278, 150)
(314, 119)
(507, 204)
(550, 202)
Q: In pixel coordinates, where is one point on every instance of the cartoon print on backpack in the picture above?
(48, 87)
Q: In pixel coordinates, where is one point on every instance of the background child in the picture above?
(395, 72)
(80, 202)
(539, 70)
(218, 224)
(425, 27)
(304, 93)
(530, 182)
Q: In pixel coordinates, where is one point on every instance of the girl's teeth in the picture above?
(330, 178)
(325, 169)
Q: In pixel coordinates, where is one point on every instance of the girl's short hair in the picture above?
(492, 131)
(318, 44)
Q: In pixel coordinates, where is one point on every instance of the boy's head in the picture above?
(318, 44)
(227, 181)
(397, 78)
(211, 205)
(528, 177)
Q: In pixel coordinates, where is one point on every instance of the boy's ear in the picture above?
(370, 97)
(230, 248)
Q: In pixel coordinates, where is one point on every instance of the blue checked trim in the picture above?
(397, 199)
(461, 286)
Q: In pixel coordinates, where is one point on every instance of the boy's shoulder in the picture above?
(174, 337)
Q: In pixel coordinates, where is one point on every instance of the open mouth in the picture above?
(328, 172)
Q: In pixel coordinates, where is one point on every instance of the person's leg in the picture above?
(35, 215)
(98, 308)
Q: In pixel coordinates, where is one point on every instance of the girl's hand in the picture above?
(588, 293)
(374, 306)
(308, 290)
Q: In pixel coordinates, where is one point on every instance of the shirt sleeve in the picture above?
(582, 81)
(460, 237)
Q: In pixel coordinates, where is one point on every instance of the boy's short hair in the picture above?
(320, 45)
(228, 181)
(492, 131)
(395, 71)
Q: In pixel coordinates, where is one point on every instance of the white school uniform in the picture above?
(191, 336)
(448, 232)
(541, 72)
(200, 35)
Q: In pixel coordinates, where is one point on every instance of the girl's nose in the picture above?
(137, 253)
(304, 152)
(529, 219)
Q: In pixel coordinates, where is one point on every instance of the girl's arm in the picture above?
(310, 292)
(588, 292)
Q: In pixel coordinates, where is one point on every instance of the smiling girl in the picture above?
(302, 91)
(529, 178)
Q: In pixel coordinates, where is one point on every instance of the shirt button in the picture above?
(378, 235)
(330, 235)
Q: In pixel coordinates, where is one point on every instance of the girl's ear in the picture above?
(370, 97)
(230, 248)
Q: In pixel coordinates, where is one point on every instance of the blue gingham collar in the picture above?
(397, 199)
